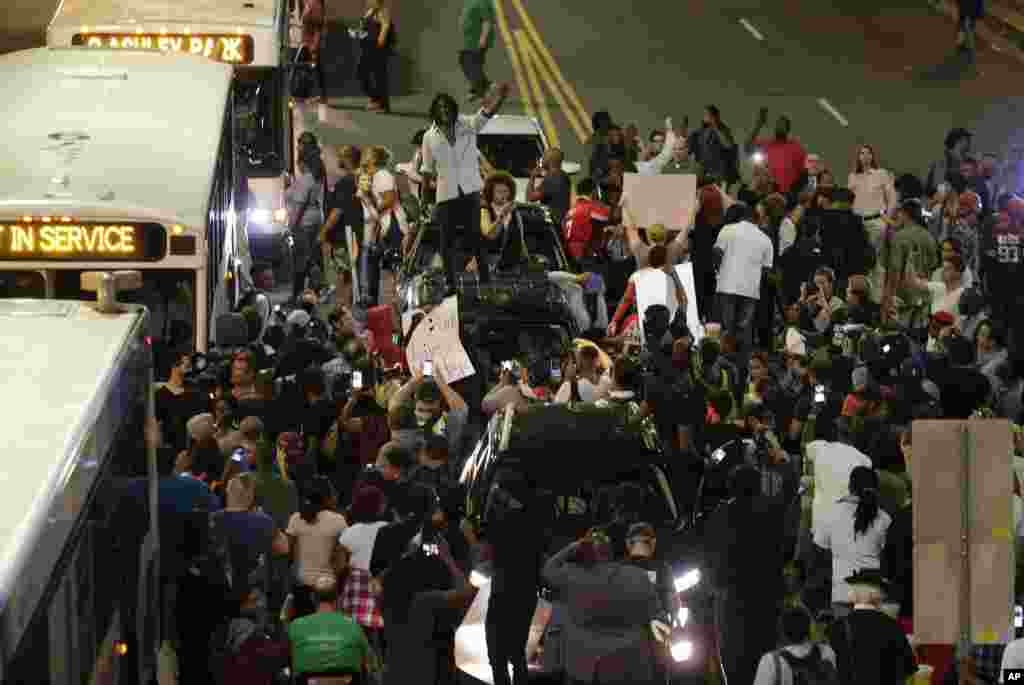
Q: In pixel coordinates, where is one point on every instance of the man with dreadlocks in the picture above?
(450, 154)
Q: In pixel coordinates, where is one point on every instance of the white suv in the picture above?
(514, 143)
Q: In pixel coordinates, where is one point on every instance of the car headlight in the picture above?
(687, 581)
(259, 216)
(682, 650)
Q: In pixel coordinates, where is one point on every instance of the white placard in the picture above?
(653, 286)
(436, 339)
(667, 199)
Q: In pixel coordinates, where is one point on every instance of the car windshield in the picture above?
(515, 154)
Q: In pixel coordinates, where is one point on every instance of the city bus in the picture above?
(80, 597)
(253, 38)
(118, 159)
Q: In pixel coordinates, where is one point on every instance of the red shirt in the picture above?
(785, 158)
(585, 210)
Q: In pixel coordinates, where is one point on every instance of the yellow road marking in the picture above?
(530, 62)
(552, 65)
(531, 56)
(513, 57)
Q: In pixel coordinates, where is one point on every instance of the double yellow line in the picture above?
(535, 69)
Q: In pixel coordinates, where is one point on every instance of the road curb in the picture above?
(1002, 27)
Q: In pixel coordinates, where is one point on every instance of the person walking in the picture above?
(305, 201)
(478, 30)
(377, 46)
(314, 27)
(451, 156)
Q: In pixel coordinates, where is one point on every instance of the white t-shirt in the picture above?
(359, 538)
(1013, 657)
(315, 544)
(746, 252)
(850, 552)
(384, 181)
(833, 464)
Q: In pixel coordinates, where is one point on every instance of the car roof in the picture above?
(581, 438)
(512, 125)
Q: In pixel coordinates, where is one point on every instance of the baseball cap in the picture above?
(944, 318)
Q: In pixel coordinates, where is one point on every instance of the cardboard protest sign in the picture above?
(654, 286)
(437, 340)
(668, 199)
(963, 488)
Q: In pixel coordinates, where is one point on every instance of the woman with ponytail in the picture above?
(854, 531)
(313, 532)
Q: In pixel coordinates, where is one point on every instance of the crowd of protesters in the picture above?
(331, 540)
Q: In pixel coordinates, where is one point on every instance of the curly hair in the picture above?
(498, 178)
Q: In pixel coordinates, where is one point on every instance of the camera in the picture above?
(819, 394)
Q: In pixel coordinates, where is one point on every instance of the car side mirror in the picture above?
(571, 168)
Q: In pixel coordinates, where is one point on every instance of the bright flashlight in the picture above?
(757, 157)
(478, 580)
(682, 616)
(682, 650)
(688, 580)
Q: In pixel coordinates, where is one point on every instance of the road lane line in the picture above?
(529, 58)
(827, 106)
(513, 57)
(751, 30)
(552, 65)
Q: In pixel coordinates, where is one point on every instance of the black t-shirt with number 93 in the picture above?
(1002, 257)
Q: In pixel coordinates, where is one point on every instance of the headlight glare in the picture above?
(260, 216)
(688, 580)
(682, 650)
(682, 616)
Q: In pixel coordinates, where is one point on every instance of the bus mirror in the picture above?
(107, 284)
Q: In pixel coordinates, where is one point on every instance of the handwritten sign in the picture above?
(667, 199)
(436, 339)
(653, 286)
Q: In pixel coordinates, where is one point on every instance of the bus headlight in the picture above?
(259, 216)
(687, 581)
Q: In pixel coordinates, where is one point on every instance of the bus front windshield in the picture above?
(169, 294)
(259, 119)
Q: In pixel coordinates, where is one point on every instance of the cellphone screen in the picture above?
(396, 339)
(357, 380)
(556, 370)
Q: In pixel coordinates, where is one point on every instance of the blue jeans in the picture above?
(736, 314)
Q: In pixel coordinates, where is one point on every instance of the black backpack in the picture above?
(812, 669)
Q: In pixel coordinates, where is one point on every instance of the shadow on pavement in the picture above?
(955, 67)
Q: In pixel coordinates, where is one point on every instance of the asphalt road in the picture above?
(886, 69)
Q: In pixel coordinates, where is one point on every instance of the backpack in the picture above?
(813, 669)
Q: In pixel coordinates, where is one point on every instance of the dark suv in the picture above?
(574, 456)
(519, 310)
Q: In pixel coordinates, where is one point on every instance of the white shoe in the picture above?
(321, 112)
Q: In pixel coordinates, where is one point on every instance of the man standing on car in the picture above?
(450, 154)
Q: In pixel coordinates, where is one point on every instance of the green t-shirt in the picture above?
(911, 247)
(326, 642)
(474, 14)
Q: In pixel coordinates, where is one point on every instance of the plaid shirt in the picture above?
(358, 600)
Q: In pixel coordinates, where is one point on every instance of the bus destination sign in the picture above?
(221, 47)
(73, 240)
